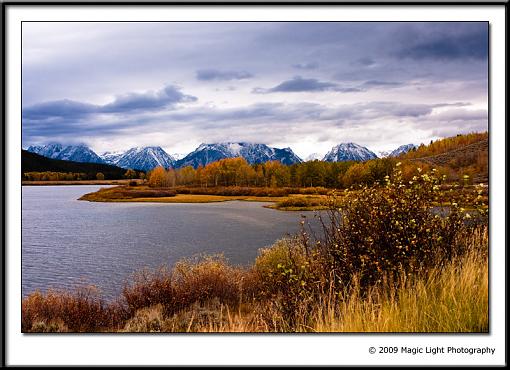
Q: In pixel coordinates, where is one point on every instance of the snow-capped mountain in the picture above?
(253, 153)
(140, 158)
(382, 153)
(313, 157)
(177, 156)
(111, 157)
(349, 152)
(402, 149)
(76, 153)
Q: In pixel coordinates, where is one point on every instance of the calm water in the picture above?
(68, 242)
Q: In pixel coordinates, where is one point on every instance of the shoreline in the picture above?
(289, 202)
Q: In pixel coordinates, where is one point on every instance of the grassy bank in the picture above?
(283, 199)
(211, 296)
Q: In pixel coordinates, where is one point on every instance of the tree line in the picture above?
(238, 172)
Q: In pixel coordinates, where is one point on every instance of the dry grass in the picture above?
(452, 299)
(144, 194)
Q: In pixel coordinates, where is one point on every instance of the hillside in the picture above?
(31, 162)
(472, 159)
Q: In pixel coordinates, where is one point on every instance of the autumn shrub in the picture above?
(192, 280)
(369, 236)
(291, 278)
(147, 288)
(150, 193)
(318, 190)
(198, 281)
(236, 191)
(299, 201)
(392, 230)
(80, 311)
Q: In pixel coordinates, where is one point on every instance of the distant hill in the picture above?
(471, 158)
(31, 162)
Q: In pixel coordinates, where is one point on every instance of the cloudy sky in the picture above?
(308, 86)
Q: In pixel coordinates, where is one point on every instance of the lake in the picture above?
(67, 242)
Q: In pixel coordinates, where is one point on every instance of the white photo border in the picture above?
(251, 349)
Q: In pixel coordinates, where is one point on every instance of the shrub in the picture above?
(190, 281)
(289, 276)
(80, 311)
(236, 191)
(200, 281)
(370, 236)
(395, 229)
(147, 288)
(299, 202)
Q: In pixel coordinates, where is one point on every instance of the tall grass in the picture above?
(449, 299)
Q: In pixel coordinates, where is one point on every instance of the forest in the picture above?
(456, 164)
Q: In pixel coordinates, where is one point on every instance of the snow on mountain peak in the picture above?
(252, 152)
(349, 152)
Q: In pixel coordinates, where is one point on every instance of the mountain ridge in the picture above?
(253, 153)
(349, 152)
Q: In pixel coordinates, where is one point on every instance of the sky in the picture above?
(304, 85)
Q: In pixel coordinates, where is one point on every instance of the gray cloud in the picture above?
(300, 84)
(214, 74)
(378, 83)
(306, 66)
(59, 109)
(68, 109)
(147, 101)
(364, 61)
(449, 42)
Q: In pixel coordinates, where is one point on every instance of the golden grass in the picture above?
(122, 194)
(453, 300)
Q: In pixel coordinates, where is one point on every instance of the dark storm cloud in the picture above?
(59, 109)
(448, 42)
(72, 110)
(213, 74)
(147, 101)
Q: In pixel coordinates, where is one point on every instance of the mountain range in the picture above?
(253, 153)
(147, 158)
